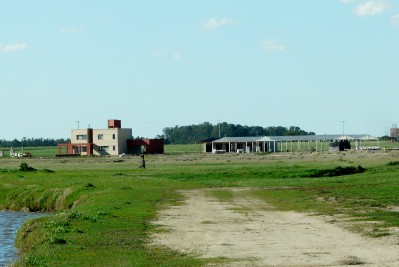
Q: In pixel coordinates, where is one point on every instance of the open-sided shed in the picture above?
(284, 143)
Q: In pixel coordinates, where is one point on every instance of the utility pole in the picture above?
(343, 128)
(78, 124)
(219, 129)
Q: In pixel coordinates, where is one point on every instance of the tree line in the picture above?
(195, 133)
(190, 134)
(32, 142)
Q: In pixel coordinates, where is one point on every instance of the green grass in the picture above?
(104, 207)
(103, 219)
(182, 149)
(50, 152)
(170, 149)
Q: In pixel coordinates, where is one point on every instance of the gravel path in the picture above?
(250, 235)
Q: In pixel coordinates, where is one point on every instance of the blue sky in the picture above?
(155, 64)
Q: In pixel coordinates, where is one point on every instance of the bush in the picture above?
(24, 167)
(337, 171)
(89, 186)
(47, 171)
(55, 240)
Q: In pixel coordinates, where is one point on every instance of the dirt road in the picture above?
(247, 234)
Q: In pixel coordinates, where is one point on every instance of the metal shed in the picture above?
(283, 143)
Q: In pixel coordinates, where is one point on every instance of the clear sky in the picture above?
(155, 64)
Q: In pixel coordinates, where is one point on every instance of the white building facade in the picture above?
(112, 141)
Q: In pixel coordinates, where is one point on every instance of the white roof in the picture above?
(330, 137)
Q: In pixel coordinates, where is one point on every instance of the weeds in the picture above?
(56, 240)
(47, 171)
(89, 186)
(352, 260)
(337, 171)
(24, 167)
(111, 226)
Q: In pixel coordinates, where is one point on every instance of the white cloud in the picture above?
(218, 23)
(371, 8)
(347, 1)
(176, 56)
(13, 47)
(163, 54)
(72, 29)
(395, 20)
(159, 54)
(271, 45)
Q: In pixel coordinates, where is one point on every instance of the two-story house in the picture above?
(113, 141)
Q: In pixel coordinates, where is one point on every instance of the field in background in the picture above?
(182, 149)
(105, 204)
(198, 148)
(52, 151)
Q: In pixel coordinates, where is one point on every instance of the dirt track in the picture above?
(250, 235)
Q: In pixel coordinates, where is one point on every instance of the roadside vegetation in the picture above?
(102, 206)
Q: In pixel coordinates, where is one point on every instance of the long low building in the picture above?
(283, 143)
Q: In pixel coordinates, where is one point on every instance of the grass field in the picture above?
(198, 148)
(52, 151)
(103, 206)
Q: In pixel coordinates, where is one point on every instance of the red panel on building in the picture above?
(114, 124)
(150, 146)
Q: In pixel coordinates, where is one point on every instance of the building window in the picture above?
(114, 148)
(81, 137)
(100, 137)
(113, 136)
(103, 148)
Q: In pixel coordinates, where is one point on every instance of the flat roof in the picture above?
(326, 137)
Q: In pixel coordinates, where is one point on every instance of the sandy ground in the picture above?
(250, 233)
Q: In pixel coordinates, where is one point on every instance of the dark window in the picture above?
(103, 148)
(81, 137)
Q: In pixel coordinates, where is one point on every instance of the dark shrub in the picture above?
(337, 171)
(89, 186)
(24, 167)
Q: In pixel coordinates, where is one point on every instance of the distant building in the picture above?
(113, 141)
(264, 144)
(395, 132)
